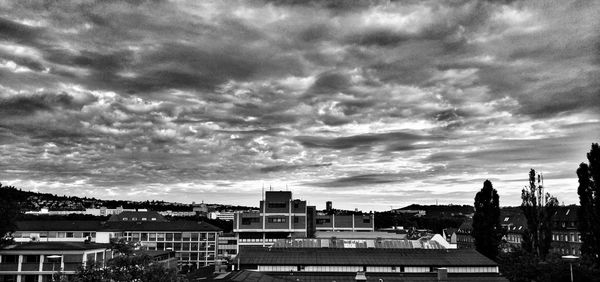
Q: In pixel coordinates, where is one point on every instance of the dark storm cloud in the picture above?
(10, 30)
(278, 168)
(362, 180)
(363, 140)
(25, 105)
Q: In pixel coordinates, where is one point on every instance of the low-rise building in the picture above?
(566, 239)
(194, 243)
(37, 262)
(345, 264)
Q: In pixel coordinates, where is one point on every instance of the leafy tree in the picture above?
(538, 209)
(487, 230)
(589, 198)
(125, 268)
(122, 246)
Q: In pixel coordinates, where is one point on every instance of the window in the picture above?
(31, 259)
(186, 236)
(70, 235)
(154, 218)
(169, 236)
(277, 220)
(276, 205)
(296, 220)
(296, 205)
(366, 220)
(323, 220)
(10, 258)
(144, 237)
(177, 236)
(250, 220)
(195, 236)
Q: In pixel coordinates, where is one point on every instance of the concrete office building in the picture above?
(280, 216)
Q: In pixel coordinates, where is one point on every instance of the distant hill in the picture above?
(441, 210)
(29, 200)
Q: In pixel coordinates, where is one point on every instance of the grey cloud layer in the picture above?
(348, 94)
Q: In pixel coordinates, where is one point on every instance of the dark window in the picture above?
(70, 234)
(276, 205)
(296, 220)
(250, 220)
(277, 220)
(366, 220)
(296, 205)
(8, 278)
(29, 278)
(31, 259)
(323, 220)
(10, 259)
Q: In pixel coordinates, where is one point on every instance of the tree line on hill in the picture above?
(534, 260)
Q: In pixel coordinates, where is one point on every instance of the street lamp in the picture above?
(570, 259)
(53, 257)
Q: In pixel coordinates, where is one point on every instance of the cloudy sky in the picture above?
(370, 104)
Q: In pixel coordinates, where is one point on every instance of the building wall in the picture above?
(199, 248)
(54, 236)
(38, 266)
(344, 222)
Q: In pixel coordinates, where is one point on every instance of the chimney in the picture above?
(442, 274)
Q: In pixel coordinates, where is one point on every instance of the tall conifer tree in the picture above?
(487, 230)
(538, 208)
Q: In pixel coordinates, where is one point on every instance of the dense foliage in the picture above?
(487, 230)
(589, 198)
(9, 211)
(436, 224)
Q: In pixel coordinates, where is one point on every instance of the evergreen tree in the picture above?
(486, 221)
(589, 198)
(538, 209)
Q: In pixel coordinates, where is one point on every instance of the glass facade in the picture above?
(192, 248)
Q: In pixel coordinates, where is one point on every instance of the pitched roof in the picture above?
(87, 225)
(159, 226)
(59, 225)
(49, 246)
(251, 276)
(358, 235)
(352, 243)
(566, 213)
(378, 257)
(138, 215)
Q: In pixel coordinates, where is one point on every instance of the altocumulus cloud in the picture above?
(372, 103)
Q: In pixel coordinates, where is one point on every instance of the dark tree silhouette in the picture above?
(487, 230)
(538, 209)
(589, 198)
(9, 210)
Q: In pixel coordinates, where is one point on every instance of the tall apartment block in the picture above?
(280, 217)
